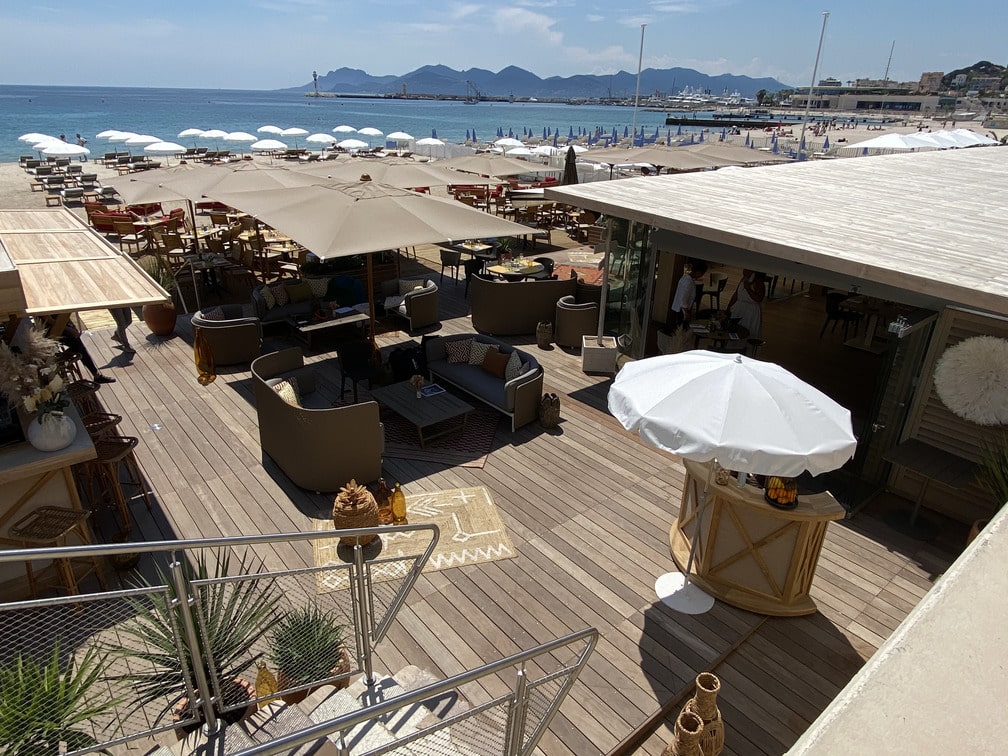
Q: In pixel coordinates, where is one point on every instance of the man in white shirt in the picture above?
(685, 294)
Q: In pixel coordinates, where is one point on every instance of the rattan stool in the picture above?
(50, 526)
(68, 365)
(103, 472)
(100, 424)
(84, 395)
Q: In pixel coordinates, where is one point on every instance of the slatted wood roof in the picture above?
(63, 266)
(930, 223)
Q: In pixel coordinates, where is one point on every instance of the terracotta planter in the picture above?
(975, 529)
(300, 695)
(160, 318)
(229, 717)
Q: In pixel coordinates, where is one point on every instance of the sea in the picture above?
(166, 112)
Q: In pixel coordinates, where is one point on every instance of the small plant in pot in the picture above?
(307, 648)
(230, 617)
(43, 705)
(160, 317)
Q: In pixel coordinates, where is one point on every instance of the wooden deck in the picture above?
(588, 507)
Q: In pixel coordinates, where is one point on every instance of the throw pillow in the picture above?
(267, 295)
(214, 313)
(495, 362)
(318, 286)
(525, 367)
(280, 295)
(407, 285)
(513, 369)
(300, 292)
(478, 350)
(458, 350)
(288, 391)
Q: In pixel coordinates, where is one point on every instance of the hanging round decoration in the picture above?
(971, 379)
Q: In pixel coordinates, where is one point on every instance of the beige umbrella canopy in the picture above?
(405, 174)
(492, 165)
(341, 219)
(670, 158)
(737, 154)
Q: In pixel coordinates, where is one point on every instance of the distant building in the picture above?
(892, 98)
(985, 83)
(960, 80)
(830, 82)
(931, 82)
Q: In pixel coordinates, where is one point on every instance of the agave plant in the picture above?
(41, 705)
(230, 616)
(306, 645)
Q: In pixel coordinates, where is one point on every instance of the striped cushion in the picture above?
(458, 350)
(478, 350)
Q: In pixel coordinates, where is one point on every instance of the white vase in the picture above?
(54, 432)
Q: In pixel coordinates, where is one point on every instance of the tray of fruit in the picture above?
(781, 492)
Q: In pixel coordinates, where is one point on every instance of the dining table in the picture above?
(480, 250)
(516, 270)
(728, 337)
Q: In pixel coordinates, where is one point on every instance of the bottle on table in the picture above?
(398, 506)
(383, 497)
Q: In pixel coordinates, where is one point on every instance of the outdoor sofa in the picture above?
(515, 392)
(289, 298)
(318, 446)
(509, 308)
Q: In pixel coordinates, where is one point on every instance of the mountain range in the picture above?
(517, 82)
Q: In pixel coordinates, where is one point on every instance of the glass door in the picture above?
(631, 263)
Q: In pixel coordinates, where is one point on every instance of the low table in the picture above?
(305, 331)
(424, 412)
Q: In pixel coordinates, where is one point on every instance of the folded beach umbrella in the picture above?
(825, 144)
(467, 135)
(570, 134)
(475, 139)
(747, 140)
(555, 133)
(626, 131)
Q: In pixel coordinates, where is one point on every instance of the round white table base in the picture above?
(682, 596)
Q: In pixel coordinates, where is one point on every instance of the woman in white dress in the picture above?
(747, 302)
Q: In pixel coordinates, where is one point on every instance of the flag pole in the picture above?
(640, 61)
(815, 70)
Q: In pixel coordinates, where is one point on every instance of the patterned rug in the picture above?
(467, 449)
(471, 532)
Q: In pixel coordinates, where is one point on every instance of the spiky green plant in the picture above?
(41, 705)
(306, 645)
(235, 614)
(158, 269)
(992, 474)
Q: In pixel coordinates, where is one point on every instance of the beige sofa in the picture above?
(512, 308)
(321, 448)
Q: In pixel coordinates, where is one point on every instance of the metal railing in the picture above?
(186, 647)
(510, 724)
(210, 634)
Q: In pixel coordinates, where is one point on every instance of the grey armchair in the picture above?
(573, 320)
(235, 340)
(419, 306)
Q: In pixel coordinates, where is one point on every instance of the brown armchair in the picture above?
(318, 449)
(574, 320)
(235, 339)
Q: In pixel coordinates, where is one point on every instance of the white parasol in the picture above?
(749, 415)
(344, 129)
(268, 129)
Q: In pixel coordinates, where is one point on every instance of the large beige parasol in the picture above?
(405, 174)
(493, 165)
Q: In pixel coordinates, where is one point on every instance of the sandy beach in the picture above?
(15, 192)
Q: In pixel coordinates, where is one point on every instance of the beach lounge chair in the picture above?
(72, 194)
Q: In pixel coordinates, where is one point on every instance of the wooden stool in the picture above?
(84, 395)
(50, 526)
(104, 471)
(100, 424)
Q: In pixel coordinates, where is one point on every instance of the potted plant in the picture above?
(229, 616)
(307, 647)
(41, 705)
(160, 317)
(992, 476)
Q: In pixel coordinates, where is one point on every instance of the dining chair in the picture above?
(450, 258)
(129, 236)
(715, 285)
(356, 364)
(837, 313)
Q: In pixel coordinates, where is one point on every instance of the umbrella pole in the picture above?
(605, 283)
(674, 588)
(370, 296)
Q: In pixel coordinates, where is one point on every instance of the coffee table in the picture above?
(305, 330)
(425, 412)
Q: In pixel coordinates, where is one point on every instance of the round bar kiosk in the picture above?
(750, 554)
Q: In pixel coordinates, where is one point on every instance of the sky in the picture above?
(271, 44)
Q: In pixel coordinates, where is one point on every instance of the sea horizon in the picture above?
(166, 111)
